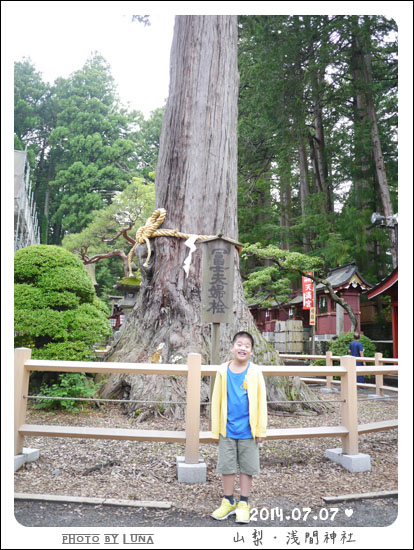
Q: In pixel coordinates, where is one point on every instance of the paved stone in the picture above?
(367, 513)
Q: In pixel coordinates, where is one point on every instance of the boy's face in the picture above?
(242, 349)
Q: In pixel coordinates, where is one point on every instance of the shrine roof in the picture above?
(345, 276)
(384, 285)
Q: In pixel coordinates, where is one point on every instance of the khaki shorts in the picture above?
(242, 452)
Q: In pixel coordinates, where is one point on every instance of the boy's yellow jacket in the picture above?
(256, 392)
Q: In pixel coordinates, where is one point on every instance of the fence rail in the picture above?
(348, 431)
(378, 360)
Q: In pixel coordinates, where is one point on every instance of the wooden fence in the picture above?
(348, 431)
(329, 358)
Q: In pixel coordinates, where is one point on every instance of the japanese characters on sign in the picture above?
(307, 292)
(312, 316)
(217, 284)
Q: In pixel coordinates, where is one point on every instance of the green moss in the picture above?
(131, 281)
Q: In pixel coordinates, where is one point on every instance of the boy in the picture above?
(239, 419)
(356, 349)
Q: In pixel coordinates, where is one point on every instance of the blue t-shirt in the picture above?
(355, 346)
(238, 426)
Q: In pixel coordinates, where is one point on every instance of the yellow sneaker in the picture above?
(225, 510)
(243, 512)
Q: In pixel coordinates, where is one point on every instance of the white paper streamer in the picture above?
(190, 243)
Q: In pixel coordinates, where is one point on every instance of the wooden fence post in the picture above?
(379, 378)
(192, 426)
(21, 388)
(349, 409)
(329, 364)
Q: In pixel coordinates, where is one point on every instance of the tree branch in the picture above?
(272, 256)
(123, 232)
(111, 254)
(331, 291)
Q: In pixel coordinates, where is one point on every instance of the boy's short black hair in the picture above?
(245, 334)
(356, 335)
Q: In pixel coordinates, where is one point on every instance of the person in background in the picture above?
(356, 349)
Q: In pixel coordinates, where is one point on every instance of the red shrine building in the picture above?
(389, 287)
(331, 318)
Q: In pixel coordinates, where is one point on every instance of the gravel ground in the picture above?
(294, 473)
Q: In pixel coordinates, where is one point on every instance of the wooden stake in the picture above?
(21, 388)
(214, 360)
(349, 409)
(379, 378)
(329, 364)
(192, 429)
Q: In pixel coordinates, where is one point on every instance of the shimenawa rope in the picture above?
(150, 230)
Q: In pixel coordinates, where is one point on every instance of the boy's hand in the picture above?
(259, 439)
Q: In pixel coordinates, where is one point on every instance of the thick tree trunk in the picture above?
(304, 187)
(196, 182)
(362, 146)
(366, 73)
(318, 151)
(285, 211)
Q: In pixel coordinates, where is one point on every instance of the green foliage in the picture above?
(62, 279)
(56, 310)
(265, 286)
(340, 346)
(127, 212)
(70, 385)
(29, 93)
(32, 262)
(289, 67)
(65, 351)
(28, 297)
(46, 323)
(86, 147)
(287, 260)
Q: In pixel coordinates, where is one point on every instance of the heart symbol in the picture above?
(348, 512)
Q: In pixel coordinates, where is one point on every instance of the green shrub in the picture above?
(65, 351)
(31, 262)
(64, 279)
(57, 313)
(70, 385)
(30, 297)
(341, 345)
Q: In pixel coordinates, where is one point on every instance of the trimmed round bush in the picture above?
(31, 262)
(57, 312)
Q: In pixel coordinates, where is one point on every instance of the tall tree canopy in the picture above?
(317, 99)
(87, 146)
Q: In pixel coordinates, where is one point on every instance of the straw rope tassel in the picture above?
(150, 230)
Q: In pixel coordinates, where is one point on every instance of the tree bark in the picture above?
(366, 73)
(196, 182)
(304, 188)
(320, 164)
(285, 211)
(361, 123)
